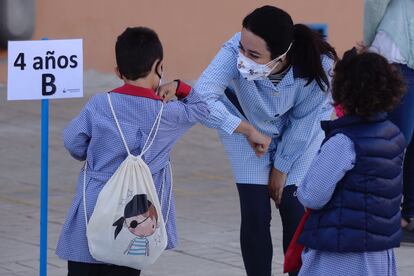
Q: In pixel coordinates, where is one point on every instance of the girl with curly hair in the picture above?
(354, 185)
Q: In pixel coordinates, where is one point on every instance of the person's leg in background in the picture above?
(291, 212)
(403, 117)
(255, 238)
(408, 192)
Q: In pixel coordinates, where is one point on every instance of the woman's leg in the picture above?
(403, 116)
(408, 202)
(255, 239)
(291, 212)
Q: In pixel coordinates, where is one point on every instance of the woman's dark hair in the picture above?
(275, 26)
(136, 50)
(365, 84)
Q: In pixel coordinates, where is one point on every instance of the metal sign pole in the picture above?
(44, 177)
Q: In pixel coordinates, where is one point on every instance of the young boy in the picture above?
(354, 185)
(93, 136)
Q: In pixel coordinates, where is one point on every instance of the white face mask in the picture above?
(161, 77)
(161, 80)
(251, 70)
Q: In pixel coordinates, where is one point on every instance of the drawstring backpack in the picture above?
(127, 227)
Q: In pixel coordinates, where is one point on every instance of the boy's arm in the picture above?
(78, 133)
(190, 108)
(176, 88)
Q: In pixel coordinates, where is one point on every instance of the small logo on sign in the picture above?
(72, 90)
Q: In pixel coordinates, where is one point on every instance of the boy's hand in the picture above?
(167, 91)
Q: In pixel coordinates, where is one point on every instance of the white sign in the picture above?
(45, 69)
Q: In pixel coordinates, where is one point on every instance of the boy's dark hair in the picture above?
(365, 84)
(275, 26)
(136, 50)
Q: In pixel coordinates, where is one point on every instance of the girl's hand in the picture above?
(276, 185)
(361, 47)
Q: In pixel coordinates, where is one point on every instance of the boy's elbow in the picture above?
(76, 150)
(79, 157)
(205, 110)
(76, 153)
(204, 118)
(201, 114)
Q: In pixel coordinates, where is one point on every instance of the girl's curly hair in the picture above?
(365, 84)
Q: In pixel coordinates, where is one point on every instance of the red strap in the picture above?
(293, 256)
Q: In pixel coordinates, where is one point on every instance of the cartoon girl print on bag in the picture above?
(141, 219)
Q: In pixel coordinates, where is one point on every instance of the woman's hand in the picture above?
(167, 91)
(258, 141)
(276, 184)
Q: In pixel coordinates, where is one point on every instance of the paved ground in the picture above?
(206, 198)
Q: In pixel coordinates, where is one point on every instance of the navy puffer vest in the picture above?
(364, 211)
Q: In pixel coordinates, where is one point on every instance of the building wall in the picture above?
(191, 31)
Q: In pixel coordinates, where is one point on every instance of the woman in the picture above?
(267, 91)
(388, 31)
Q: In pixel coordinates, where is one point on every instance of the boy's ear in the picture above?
(160, 66)
(157, 66)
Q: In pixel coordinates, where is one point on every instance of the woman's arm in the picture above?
(335, 158)
(213, 82)
(303, 120)
(374, 11)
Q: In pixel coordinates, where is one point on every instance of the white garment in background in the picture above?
(384, 46)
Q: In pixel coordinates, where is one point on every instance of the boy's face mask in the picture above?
(160, 75)
(251, 70)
